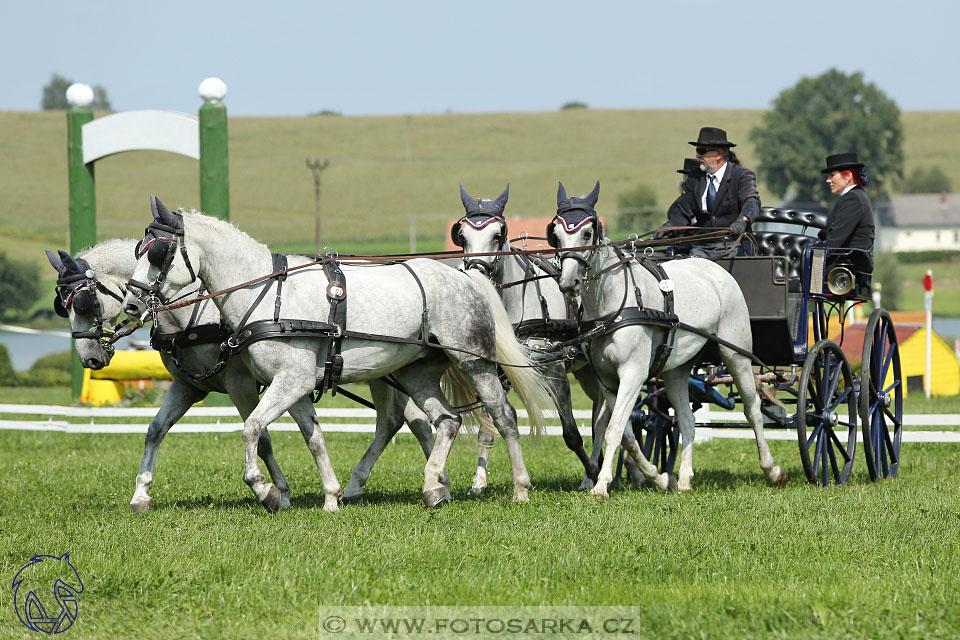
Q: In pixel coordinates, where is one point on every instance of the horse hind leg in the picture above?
(482, 375)
(389, 421)
(484, 445)
(742, 372)
(422, 382)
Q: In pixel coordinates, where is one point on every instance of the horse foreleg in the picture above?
(178, 399)
(242, 389)
(303, 412)
(678, 390)
(282, 394)
(631, 381)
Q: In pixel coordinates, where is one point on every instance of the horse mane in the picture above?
(207, 221)
(115, 254)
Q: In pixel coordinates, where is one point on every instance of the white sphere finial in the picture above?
(79, 95)
(212, 90)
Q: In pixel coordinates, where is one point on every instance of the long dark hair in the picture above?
(731, 156)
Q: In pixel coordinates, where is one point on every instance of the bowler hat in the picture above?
(712, 137)
(690, 166)
(841, 161)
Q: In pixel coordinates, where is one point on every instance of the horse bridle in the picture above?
(469, 262)
(160, 243)
(80, 292)
(586, 261)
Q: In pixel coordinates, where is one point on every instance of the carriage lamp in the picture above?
(840, 280)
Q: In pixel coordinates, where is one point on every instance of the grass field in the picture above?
(733, 559)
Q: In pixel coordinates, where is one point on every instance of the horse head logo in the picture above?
(46, 576)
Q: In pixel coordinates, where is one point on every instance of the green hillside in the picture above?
(371, 189)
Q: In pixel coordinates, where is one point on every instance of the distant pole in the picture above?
(317, 167)
(413, 234)
(928, 305)
(214, 168)
(83, 201)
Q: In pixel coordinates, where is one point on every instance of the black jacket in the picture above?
(737, 196)
(850, 222)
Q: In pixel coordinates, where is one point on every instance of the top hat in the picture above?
(690, 166)
(712, 137)
(841, 161)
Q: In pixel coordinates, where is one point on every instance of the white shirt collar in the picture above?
(844, 192)
(719, 174)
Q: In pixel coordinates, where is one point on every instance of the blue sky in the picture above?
(360, 58)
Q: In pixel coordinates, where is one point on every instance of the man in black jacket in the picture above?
(725, 195)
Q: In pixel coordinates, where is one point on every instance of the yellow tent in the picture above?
(944, 368)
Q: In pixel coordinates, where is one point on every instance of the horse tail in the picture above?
(524, 377)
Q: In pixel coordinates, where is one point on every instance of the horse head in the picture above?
(482, 230)
(163, 265)
(90, 306)
(575, 225)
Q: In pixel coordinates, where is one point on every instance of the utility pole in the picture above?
(317, 167)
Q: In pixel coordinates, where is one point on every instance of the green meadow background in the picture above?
(372, 188)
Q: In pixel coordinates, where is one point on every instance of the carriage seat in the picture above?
(787, 244)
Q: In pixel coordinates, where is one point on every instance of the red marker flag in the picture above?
(928, 281)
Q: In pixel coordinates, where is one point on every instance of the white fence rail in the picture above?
(227, 419)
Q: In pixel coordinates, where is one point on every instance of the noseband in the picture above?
(481, 265)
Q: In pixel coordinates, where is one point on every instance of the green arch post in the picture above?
(214, 172)
(214, 169)
(83, 211)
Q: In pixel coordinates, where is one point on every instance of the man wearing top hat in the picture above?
(723, 195)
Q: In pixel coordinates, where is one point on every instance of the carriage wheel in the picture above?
(826, 415)
(881, 404)
(658, 435)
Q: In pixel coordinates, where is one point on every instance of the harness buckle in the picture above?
(231, 343)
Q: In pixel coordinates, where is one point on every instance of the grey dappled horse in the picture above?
(418, 301)
(93, 302)
(538, 311)
(705, 296)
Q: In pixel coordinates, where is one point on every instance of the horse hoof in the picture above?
(671, 485)
(781, 480)
(435, 497)
(142, 505)
(272, 500)
(603, 495)
(357, 498)
(475, 491)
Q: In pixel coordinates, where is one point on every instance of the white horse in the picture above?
(93, 302)
(541, 315)
(399, 309)
(705, 297)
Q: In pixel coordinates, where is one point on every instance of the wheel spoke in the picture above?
(833, 464)
(840, 447)
(822, 449)
(833, 383)
(893, 418)
(891, 450)
(814, 435)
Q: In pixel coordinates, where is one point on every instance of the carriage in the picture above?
(793, 286)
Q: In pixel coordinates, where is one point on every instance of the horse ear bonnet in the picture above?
(573, 212)
(479, 213)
